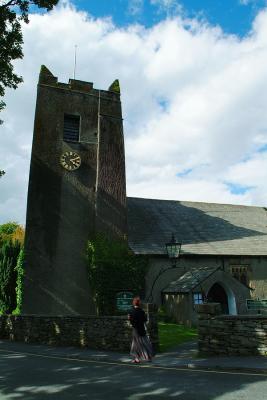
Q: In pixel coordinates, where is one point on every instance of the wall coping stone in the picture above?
(242, 317)
(81, 316)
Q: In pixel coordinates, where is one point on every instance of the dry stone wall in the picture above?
(105, 333)
(230, 334)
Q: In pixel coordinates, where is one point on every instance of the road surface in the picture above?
(39, 377)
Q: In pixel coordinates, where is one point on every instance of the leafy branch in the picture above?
(12, 12)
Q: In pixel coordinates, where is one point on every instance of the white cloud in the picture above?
(168, 6)
(247, 2)
(194, 104)
(135, 6)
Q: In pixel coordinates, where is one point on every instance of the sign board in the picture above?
(124, 301)
(256, 304)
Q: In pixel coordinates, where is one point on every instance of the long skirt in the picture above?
(141, 347)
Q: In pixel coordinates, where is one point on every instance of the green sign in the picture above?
(256, 304)
(124, 301)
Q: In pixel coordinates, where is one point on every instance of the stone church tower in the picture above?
(76, 188)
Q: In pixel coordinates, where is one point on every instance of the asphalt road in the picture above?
(24, 376)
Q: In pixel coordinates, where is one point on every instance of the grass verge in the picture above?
(171, 335)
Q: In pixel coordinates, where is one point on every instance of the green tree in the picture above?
(2, 173)
(9, 253)
(12, 13)
(11, 231)
(9, 228)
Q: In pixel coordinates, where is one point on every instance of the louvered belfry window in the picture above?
(71, 128)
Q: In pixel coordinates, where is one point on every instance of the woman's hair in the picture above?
(136, 301)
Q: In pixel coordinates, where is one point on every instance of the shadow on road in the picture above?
(47, 377)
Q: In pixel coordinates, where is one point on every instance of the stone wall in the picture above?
(230, 334)
(105, 333)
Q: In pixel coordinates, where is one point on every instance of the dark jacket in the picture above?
(137, 318)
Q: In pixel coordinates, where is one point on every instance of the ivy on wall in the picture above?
(113, 267)
(19, 282)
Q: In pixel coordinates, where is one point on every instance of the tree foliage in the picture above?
(113, 267)
(11, 231)
(9, 253)
(12, 13)
(11, 266)
(1, 171)
(9, 227)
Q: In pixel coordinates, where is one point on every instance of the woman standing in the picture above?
(141, 348)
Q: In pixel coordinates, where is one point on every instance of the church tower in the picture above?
(76, 188)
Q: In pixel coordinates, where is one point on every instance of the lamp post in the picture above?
(173, 249)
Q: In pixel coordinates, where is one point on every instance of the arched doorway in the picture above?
(217, 294)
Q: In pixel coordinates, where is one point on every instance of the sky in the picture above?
(193, 77)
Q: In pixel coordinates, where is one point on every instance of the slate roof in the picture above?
(190, 280)
(203, 228)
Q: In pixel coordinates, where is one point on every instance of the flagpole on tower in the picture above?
(75, 58)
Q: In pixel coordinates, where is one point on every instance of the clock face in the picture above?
(70, 160)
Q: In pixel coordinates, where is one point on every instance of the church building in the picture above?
(77, 187)
(223, 255)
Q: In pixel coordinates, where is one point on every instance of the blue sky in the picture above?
(233, 16)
